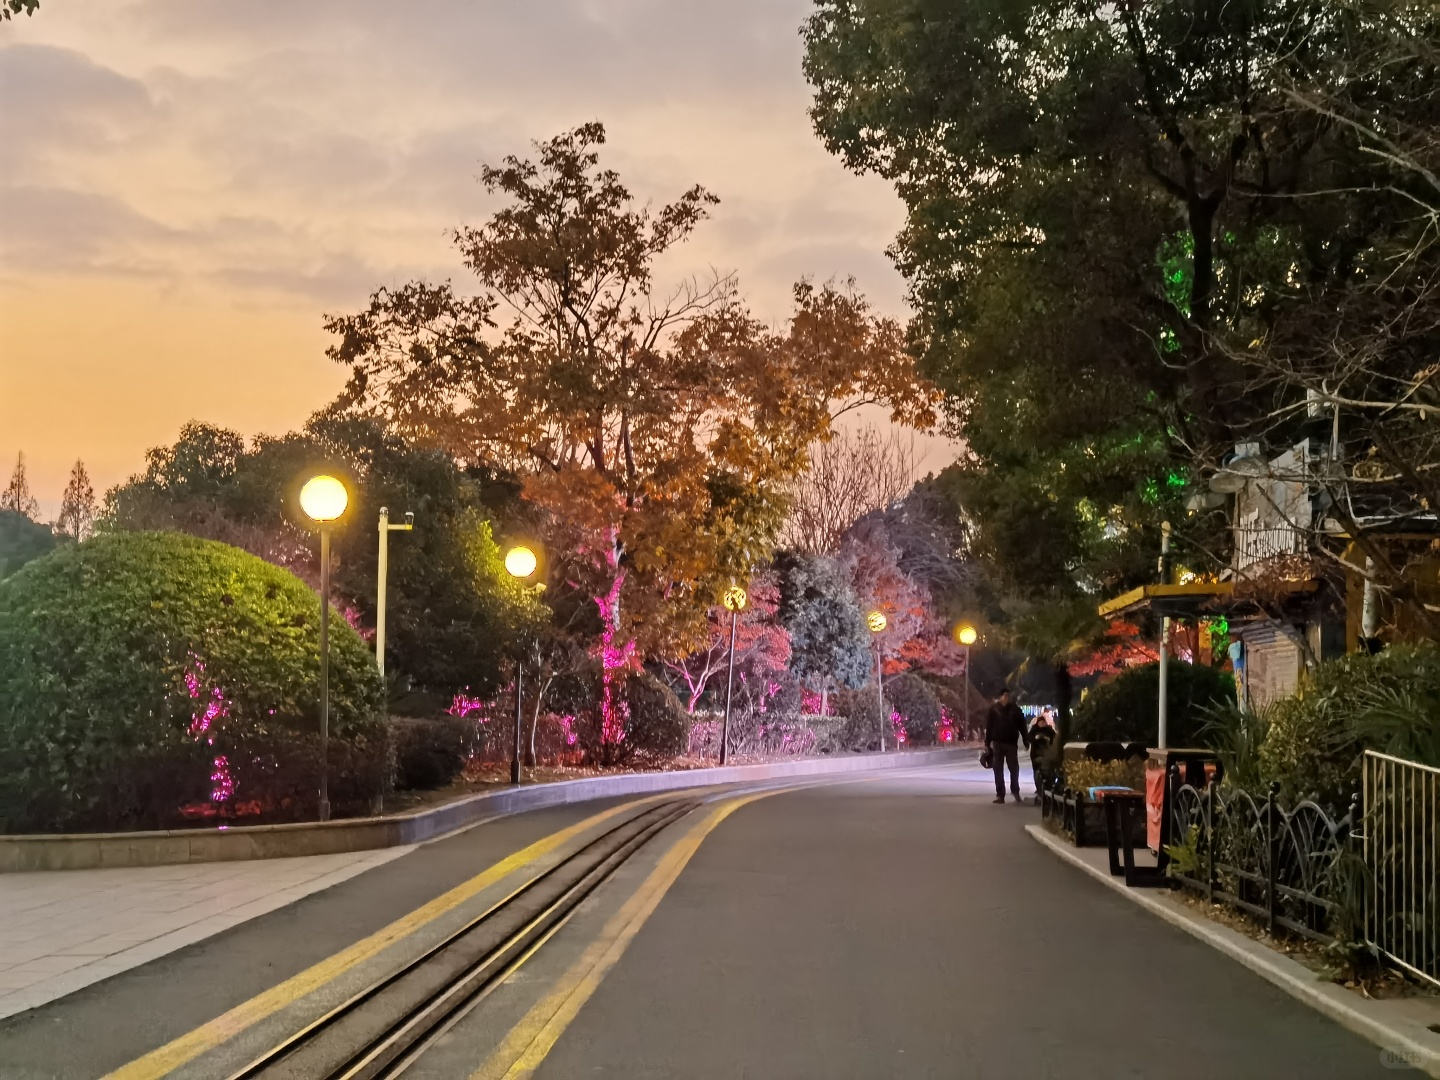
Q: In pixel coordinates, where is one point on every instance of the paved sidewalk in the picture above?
(65, 929)
(1407, 1029)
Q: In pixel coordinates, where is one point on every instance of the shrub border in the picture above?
(89, 851)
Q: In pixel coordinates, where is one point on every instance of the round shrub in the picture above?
(861, 730)
(658, 724)
(144, 673)
(918, 706)
(430, 752)
(1126, 708)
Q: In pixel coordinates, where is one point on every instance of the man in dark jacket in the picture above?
(1004, 729)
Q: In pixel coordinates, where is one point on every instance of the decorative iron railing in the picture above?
(1402, 855)
(1294, 869)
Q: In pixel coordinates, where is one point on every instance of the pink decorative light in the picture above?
(946, 731)
(464, 705)
(614, 709)
(352, 616)
(897, 727)
(222, 783)
(813, 703)
(209, 707)
(215, 706)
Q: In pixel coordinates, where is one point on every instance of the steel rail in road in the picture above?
(380, 1031)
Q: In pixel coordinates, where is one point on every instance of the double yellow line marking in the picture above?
(528, 1043)
(207, 1037)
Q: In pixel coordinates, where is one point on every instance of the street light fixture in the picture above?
(965, 636)
(324, 498)
(520, 563)
(877, 622)
(734, 600)
(382, 563)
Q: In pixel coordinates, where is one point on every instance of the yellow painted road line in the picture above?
(527, 1044)
(205, 1038)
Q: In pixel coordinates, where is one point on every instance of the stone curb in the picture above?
(1410, 1043)
(89, 851)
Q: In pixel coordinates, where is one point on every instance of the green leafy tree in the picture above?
(21, 540)
(453, 614)
(10, 8)
(829, 642)
(1098, 195)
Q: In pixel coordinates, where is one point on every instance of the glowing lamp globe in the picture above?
(735, 598)
(966, 634)
(520, 562)
(876, 621)
(324, 498)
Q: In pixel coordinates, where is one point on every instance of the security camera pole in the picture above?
(383, 565)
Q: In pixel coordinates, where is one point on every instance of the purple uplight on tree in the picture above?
(614, 709)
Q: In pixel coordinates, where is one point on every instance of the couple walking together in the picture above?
(1005, 729)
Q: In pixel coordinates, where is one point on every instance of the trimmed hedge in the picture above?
(1126, 708)
(134, 664)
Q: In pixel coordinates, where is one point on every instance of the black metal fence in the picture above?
(1299, 869)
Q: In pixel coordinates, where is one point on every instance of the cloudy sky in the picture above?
(186, 186)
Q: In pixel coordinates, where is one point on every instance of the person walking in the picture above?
(1004, 729)
(1042, 735)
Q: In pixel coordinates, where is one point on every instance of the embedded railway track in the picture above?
(381, 1030)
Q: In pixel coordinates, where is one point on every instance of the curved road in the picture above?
(898, 926)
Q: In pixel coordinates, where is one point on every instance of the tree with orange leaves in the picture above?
(914, 637)
(658, 431)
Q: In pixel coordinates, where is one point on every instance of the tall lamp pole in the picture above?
(1164, 707)
(877, 622)
(520, 563)
(966, 635)
(382, 563)
(734, 600)
(324, 499)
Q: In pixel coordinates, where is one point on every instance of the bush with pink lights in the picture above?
(150, 679)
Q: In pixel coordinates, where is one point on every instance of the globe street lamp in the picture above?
(965, 636)
(877, 622)
(382, 563)
(324, 498)
(520, 563)
(734, 601)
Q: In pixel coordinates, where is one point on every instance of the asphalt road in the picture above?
(897, 927)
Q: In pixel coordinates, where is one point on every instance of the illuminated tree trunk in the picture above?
(614, 657)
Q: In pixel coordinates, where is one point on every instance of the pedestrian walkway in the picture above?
(1407, 1028)
(63, 930)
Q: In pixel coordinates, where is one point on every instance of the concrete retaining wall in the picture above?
(85, 851)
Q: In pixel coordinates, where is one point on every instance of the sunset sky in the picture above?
(188, 185)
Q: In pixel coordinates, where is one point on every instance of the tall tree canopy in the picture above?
(1099, 196)
(658, 426)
